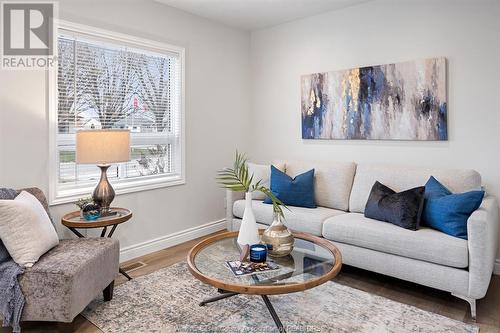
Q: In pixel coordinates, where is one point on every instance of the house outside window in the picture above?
(106, 80)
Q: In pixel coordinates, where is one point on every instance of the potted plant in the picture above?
(80, 203)
(238, 179)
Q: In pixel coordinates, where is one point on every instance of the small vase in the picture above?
(279, 237)
(249, 232)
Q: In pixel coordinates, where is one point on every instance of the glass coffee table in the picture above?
(312, 262)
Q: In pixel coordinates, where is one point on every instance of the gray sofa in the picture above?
(426, 256)
(68, 277)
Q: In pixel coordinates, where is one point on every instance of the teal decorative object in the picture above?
(91, 211)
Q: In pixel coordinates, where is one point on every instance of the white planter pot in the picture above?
(249, 232)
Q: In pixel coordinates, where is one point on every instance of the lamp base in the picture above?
(104, 194)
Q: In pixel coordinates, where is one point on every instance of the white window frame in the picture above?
(57, 196)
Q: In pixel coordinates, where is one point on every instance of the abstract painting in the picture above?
(403, 101)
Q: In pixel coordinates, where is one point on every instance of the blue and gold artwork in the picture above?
(403, 101)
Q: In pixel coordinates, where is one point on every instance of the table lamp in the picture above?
(103, 147)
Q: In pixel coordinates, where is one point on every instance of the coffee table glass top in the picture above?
(308, 261)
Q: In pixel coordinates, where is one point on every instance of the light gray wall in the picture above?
(217, 111)
(382, 32)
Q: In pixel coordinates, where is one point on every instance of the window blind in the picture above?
(102, 84)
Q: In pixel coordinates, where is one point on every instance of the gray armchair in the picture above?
(68, 277)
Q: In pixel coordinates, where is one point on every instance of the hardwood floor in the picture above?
(488, 309)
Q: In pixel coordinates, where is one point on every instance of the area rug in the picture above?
(167, 301)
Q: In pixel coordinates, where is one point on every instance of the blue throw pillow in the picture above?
(448, 212)
(298, 191)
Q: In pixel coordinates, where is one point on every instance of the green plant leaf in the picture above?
(277, 203)
(236, 178)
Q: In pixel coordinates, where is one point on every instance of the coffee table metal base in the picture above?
(226, 294)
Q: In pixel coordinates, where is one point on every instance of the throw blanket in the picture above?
(11, 296)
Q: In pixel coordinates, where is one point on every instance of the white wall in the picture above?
(217, 99)
(383, 32)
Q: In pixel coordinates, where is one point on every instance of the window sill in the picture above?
(72, 195)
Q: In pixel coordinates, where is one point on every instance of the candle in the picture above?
(258, 253)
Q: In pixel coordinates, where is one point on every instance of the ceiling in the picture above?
(257, 14)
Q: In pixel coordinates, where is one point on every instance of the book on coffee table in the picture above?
(248, 268)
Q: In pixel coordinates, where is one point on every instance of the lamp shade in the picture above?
(102, 146)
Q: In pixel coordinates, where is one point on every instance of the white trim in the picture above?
(51, 80)
(138, 185)
(98, 33)
(496, 267)
(160, 243)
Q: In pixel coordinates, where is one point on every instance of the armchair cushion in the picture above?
(38, 193)
(68, 277)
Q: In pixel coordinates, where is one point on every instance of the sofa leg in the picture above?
(108, 292)
(472, 303)
(66, 327)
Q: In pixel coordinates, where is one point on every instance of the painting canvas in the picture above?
(403, 101)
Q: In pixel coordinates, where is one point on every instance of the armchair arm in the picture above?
(231, 197)
(482, 231)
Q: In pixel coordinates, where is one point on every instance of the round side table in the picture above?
(74, 221)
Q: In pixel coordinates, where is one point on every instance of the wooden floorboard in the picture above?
(440, 302)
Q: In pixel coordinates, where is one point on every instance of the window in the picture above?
(106, 80)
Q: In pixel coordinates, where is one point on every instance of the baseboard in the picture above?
(160, 243)
(496, 269)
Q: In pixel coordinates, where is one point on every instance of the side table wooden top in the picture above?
(73, 219)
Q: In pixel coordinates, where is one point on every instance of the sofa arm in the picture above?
(482, 231)
(231, 197)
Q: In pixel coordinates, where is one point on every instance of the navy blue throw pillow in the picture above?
(448, 212)
(298, 191)
(403, 209)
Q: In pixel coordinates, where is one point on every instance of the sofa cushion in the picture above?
(297, 218)
(400, 178)
(332, 181)
(68, 277)
(424, 244)
(262, 173)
